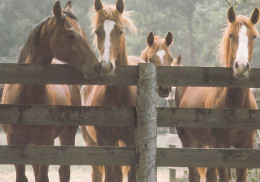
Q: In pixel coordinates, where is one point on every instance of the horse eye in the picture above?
(71, 36)
(121, 32)
(230, 36)
(254, 37)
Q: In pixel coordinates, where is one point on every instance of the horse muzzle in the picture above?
(164, 91)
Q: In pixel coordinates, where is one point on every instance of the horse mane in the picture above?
(110, 12)
(35, 35)
(32, 41)
(224, 45)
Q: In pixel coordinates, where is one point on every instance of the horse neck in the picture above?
(122, 55)
(31, 54)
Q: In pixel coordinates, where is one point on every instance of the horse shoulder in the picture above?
(10, 94)
(59, 94)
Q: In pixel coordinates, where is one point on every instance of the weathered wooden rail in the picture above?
(146, 117)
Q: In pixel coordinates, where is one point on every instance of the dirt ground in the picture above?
(78, 173)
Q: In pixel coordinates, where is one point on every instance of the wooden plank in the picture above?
(62, 74)
(126, 116)
(127, 75)
(208, 118)
(146, 130)
(67, 115)
(230, 158)
(206, 76)
(67, 155)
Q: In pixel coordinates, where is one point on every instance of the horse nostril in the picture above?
(236, 65)
(111, 66)
(247, 66)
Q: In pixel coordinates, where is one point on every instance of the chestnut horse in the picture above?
(158, 52)
(235, 51)
(108, 23)
(62, 37)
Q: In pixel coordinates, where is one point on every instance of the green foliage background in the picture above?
(196, 25)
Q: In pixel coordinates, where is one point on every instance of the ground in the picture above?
(78, 173)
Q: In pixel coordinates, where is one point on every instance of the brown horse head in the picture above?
(62, 37)
(238, 42)
(158, 52)
(108, 23)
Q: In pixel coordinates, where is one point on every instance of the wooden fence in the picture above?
(146, 117)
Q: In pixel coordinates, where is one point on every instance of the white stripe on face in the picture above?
(108, 27)
(242, 51)
(161, 54)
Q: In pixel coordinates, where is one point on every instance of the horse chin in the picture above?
(241, 76)
(164, 92)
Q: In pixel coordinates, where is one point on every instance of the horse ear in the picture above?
(98, 5)
(231, 14)
(255, 16)
(179, 59)
(68, 7)
(120, 6)
(169, 39)
(150, 39)
(57, 11)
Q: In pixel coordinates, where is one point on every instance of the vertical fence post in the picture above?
(146, 132)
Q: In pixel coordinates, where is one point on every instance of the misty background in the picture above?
(196, 25)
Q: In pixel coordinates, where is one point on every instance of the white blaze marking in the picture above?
(242, 51)
(161, 54)
(108, 27)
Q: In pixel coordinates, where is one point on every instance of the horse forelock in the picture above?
(109, 12)
(224, 46)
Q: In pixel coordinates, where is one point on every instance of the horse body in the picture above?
(108, 23)
(211, 97)
(43, 44)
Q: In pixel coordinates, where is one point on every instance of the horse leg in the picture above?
(48, 139)
(211, 175)
(67, 138)
(36, 169)
(223, 175)
(20, 169)
(188, 142)
(97, 172)
(241, 174)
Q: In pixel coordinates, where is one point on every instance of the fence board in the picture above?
(208, 118)
(127, 75)
(126, 116)
(205, 76)
(67, 115)
(62, 74)
(67, 155)
(166, 157)
(230, 158)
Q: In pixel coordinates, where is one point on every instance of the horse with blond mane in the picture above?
(62, 37)
(108, 23)
(235, 51)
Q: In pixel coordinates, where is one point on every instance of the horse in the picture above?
(235, 51)
(108, 22)
(59, 36)
(158, 52)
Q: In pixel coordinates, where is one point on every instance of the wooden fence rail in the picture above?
(146, 117)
